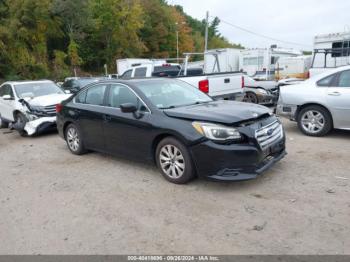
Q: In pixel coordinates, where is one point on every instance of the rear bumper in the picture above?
(235, 162)
(286, 110)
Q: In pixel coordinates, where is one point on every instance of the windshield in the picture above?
(37, 89)
(171, 93)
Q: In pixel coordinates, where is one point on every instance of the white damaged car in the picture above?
(30, 106)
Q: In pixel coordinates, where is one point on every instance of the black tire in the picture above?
(251, 97)
(21, 120)
(3, 124)
(327, 122)
(74, 143)
(187, 172)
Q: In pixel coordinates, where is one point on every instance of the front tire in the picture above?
(3, 124)
(20, 121)
(174, 161)
(315, 121)
(74, 140)
(250, 97)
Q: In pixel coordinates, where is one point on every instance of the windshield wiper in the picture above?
(195, 103)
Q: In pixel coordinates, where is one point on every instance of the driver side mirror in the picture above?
(7, 97)
(128, 108)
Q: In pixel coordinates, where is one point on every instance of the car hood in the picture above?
(225, 112)
(48, 100)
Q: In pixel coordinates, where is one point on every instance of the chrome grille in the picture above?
(269, 135)
(50, 110)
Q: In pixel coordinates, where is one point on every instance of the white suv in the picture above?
(29, 106)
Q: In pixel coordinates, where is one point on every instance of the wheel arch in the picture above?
(301, 107)
(65, 125)
(15, 113)
(159, 138)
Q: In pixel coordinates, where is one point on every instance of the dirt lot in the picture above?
(53, 202)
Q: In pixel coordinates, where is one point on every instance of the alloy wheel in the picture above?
(313, 121)
(73, 139)
(250, 98)
(172, 161)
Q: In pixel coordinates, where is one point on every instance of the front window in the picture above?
(171, 93)
(37, 89)
(6, 90)
(127, 74)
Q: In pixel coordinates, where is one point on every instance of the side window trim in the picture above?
(85, 90)
(148, 110)
(332, 83)
(7, 90)
(338, 79)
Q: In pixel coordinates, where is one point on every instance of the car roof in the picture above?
(329, 72)
(20, 82)
(138, 80)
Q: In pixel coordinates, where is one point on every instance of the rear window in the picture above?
(95, 95)
(158, 69)
(325, 82)
(140, 72)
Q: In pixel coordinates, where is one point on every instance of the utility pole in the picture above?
(177, 45)
(206, 32)
(177, 38)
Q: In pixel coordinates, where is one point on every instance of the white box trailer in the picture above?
(228, 59)
(260, 63)
(330, 51)
(125, 64)
(293, 67)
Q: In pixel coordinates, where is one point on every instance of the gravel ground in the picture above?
(52, 202)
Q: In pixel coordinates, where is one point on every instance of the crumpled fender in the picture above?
(31, 127)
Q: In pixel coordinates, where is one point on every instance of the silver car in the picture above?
(319, 104)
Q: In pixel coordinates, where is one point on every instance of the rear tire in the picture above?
(74, 140)
(174, 161)
(315, 121)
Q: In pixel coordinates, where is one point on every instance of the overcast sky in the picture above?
(290, 20)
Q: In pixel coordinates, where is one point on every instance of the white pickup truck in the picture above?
(228, 85)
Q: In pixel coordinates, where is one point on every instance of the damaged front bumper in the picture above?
(35, 125)
(40, 125)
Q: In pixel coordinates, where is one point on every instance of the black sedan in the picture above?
(172, 123)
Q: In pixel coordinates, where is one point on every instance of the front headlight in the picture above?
(217, 132)
(263, 91)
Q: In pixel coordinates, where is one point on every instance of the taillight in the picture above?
(242, 82)
(59, 108)
(204, 86)
(308, 75)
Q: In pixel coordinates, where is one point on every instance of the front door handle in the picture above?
(335, 93)
(107, 118)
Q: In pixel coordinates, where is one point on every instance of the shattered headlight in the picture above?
(217, 132)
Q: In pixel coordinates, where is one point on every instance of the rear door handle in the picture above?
(334, 94)
(227, 80)
(107, 118)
